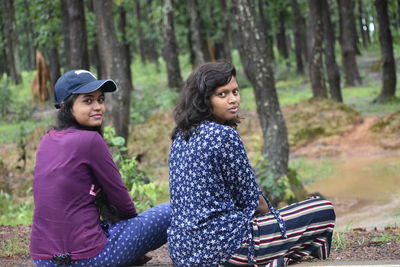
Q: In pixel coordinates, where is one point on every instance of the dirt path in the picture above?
(357, 141)
(365, 187)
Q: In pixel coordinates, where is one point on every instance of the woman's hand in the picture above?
(262, 206)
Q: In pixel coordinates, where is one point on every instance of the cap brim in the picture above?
(105, 85)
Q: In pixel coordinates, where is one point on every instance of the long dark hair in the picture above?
(65, 119)
(194, 104)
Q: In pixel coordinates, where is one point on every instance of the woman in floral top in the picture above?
(219, 216)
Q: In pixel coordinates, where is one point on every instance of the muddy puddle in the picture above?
(365, 191)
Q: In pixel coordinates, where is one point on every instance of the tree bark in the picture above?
(331, 66)
(195, 37)
(54, 65)
(223, 46)
(351, 74)
(171, 47)
(114, 66)
(75, 38)
(316, 38)
(28, 45)
(142, 41)
(297, 21)
(362, 22)
(265, 25)
(11, 40)
(258, 68)
(125, 45)
(281, 35)
(386, 44)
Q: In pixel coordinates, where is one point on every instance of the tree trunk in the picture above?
(114, 65)
(140, 36)
(258, 68)
(265, 25)
(11, 40)
(281, 36)
(386, 43)
(75, 37)
(223, 47)
(362, 22)
(171, 47)
(54, 65)
(195, 36)
(28, 29)
(297, 20)
(316, 38)
(331, 66)
(351, 74)
(339, 4)
(125, 45)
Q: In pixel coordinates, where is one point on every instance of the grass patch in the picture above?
(16, 246)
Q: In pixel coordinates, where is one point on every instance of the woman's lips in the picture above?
(97, 116)
(233, 110)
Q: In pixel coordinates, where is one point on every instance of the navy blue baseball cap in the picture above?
(79, 82)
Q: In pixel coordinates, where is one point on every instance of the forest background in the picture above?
(318, 85)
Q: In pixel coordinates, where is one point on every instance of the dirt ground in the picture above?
(356, 244)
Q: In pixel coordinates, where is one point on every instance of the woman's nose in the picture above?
(232, 98)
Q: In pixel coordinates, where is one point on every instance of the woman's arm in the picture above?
(262, 206)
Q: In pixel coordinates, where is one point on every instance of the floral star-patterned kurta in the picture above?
(214, 195)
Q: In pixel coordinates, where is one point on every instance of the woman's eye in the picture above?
(101, 100)
(235, 92)
(88, 100)
(223, 94)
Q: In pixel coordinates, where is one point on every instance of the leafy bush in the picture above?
(286, 189)
(143, 192)
(13, 212)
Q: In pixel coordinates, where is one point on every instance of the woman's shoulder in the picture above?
(76, 136)
(217, 129)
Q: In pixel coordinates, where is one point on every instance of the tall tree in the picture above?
(281, 34)
(114, 66)
(195, 33)
(122, 25)
(11, 40)
(362, 21)
(351, 74)
(298, 31)
(223, 46)
(386, 43)
(265, 25)
(171, 47)
(258, 68)
(331, 66)
(140, 35)
(75, 36)
(316, 50)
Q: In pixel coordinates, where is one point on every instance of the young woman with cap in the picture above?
(73, 167)
(219, 216)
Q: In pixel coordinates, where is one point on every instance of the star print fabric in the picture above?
(213, 194)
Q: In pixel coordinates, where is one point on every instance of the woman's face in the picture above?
(88, 109)
(225, 101)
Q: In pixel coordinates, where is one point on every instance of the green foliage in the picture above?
(143, 192)
(13, 212)
(340, 240)
(287, 188)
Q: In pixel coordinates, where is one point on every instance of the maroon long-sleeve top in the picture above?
(72, 167)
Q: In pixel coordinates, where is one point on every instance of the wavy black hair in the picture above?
(66, 119)
(194, 104)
